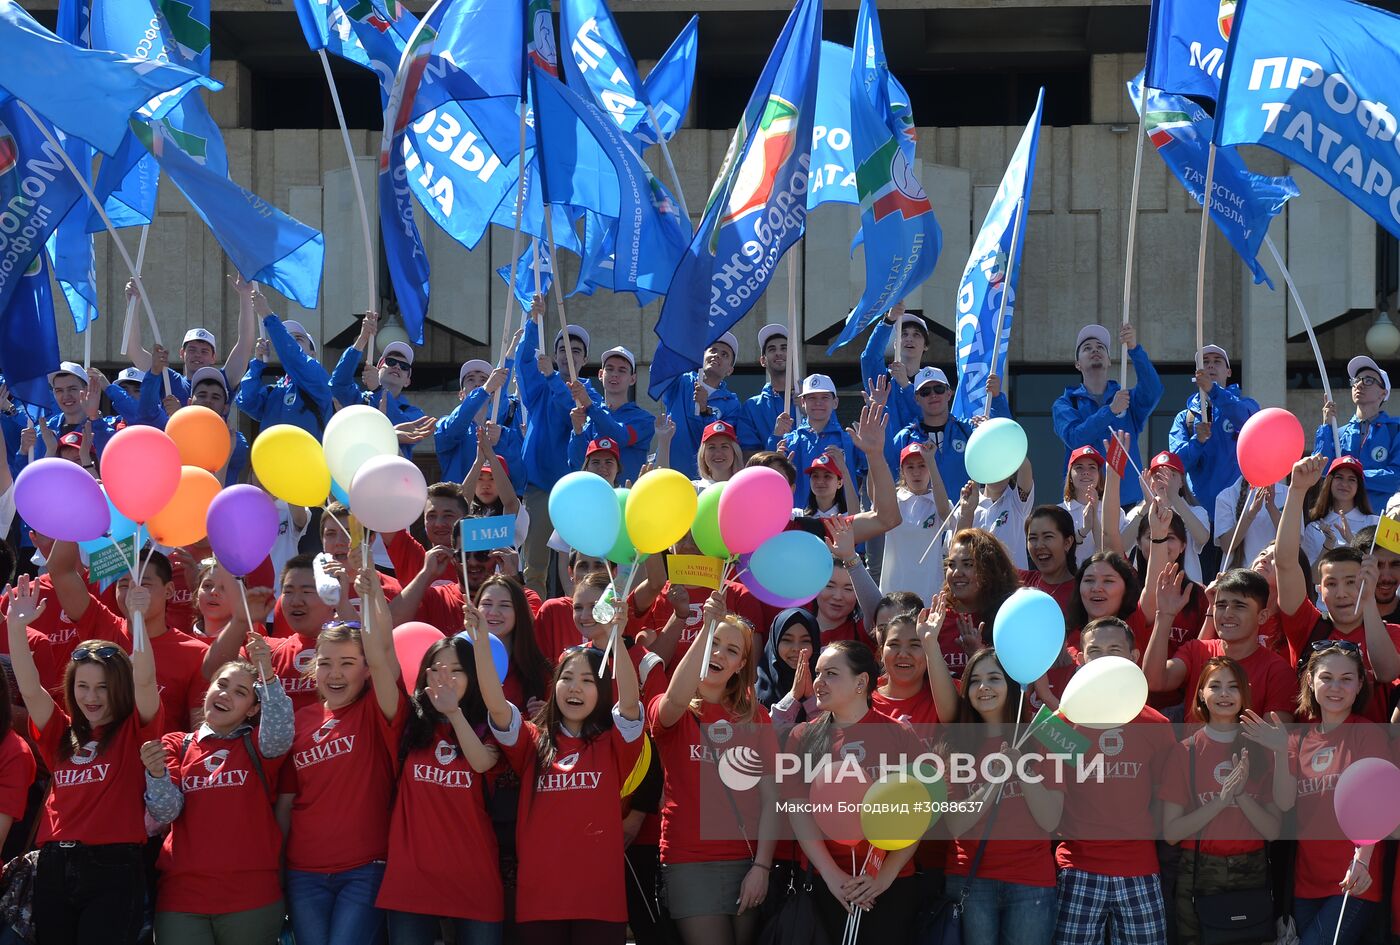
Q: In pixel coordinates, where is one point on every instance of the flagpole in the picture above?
(1201, 271)
(792, 334)
(370, 262)
(1312, 338)
(666, 153)
(131, 304)
(514, 258)
(1005, 295)
(558, 292)
(96, 205)
(1132, 242)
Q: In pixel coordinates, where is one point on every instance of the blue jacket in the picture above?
(1081, 419)
(1212, 465)
(630, 425)
(679, 399)
(454, 439)
(301, 397)
(902, 406)
(1377, 445)
(345, 388)
(757, 417)
(805, 444)
(952, 464)
(547, 403)
(132, 410)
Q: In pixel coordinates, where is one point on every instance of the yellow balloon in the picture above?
(290, 465)
(660, 510)
(896, 811)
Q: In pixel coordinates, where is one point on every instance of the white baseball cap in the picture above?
(1215, 349)
(200, 334)
(1097, 332)
(1354, 367)
(768, 331)
(728, 339)
(295, 328)
(930, 375)
(817, 384)
(475, 364)
(400, 348)
(619, 352)
(70, 367)
(208, 374)
(575, 331)
(910, 318)
(134, 375)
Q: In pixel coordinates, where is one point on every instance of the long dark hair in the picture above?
(1322, 502)
(549, 718)
(774, 674)
(1196, 710)
(965, 735)
(422, 722)
(1132, 587)
(1064, 524)
(121, 693)
(816, 741)
(525, 656)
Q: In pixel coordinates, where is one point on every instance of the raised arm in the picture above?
(1288, 573)
(945, 692)
(629, 691)
(378, 640)
(26, 606)
(502, 713)
(486, 440)
(1169, 597)
(237, 361)
(404, 607)
(685, 681)
(868, 435)
(143, 662)
(69, 585)
(443, 695)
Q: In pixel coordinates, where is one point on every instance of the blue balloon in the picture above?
(996, 449)
(121, 528)
(792, 565)
(584, 511)
(340, 494)
(1029, 634)
(499, 654)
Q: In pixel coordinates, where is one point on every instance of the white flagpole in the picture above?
(792, 339)
(1201, 271)
(671, 167)
(1132, 244)
(131, 305)
(558, 292)
(514, 258)
(1005, 295)
(1312, 338)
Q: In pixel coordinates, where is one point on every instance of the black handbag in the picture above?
(1236, 917)
(941, 923)
(796, 921)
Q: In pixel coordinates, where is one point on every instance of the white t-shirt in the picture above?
(1191, 554)
(1315, 540)
(1087, 546)
(900, 569)
(1005, 517)
(288, 538)
(1260, 532)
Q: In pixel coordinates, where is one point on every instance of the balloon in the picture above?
(585, 513)
(660, 510)
(201, 436)
(705, 529)
(756, 504)
(353, 436)
(291, 465)
(792, 565)
(500, 656)
(836, 793)
(896, 811)
(184, 520)
(622, 551)
(929, 775)
(639, 770)
(61, 500)
(996, 449)
(121, 528)
(1105, 692)
(243, 525)
(388, 493)
(1270, 442)
(1028, 633)
(412, 641)
(1359, 798)
(141, 471)
(746, 577)
(339, 492)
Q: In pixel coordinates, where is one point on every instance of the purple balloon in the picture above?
(61, 500)
(242, 528)
(747, 578)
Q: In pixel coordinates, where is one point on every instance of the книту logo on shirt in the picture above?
(67, 777)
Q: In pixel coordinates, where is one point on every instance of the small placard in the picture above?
(485, 534)
(1057, 735)
(695, 570)
(111, 561)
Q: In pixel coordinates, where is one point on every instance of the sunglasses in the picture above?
(480, 557)
(399, 363)
(1346, 646)
(95, 654)
(933, 389)
(347, 624)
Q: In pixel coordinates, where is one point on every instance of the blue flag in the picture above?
(598, 60)
(901, 234)
(833, 174)
(1244, 203)
(525, 274)
(28, 337)
(991, 274)
(669, 84)
(1186, 42)
(89, 93)
(264, 243)
(1312, 80)
(757, 207)
(70, 246)
(598, 261)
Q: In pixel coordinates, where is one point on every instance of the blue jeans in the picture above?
(336, 908)
(411, 928)
(1001, 913)
(1316, 920)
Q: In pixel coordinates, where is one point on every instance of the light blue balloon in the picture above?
(584, 511)
(1028, 633)
(792, 565)
(996, 449)
(340, 494)
(499, 654)
(121, 528)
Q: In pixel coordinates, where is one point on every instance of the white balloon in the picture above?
(354, 435)
(1106, 691)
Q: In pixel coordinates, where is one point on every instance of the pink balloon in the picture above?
(755, 506)
(412, 641)
(836, 793)
(388, 494)
(140, 471)
(1365, 800)
(1270, 443)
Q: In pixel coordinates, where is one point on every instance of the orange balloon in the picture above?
(183, 520)
(201, 436)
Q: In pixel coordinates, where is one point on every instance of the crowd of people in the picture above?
(230, 773)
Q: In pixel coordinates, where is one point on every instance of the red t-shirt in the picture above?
(441, 606)
(736, 596)
(16, 775)
(1298, 631)
(293, 659)
(918, 710)
(280, 627)
(1135, 758)
(555, 630)
(1018, 849)
(849, 629)
(949, 645)
(697, 823)
(1062, 592)
(1317, 759)
(570, 825)
(1229, 833)
(97, 795)
(344, 763)
(200, 871)
(440, 837)
(1273, 687)
(54, 623)
(179, 606)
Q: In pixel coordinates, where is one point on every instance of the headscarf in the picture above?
(774, 674)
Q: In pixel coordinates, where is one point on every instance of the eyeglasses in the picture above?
(399, 363)
(480, 557)
(933, 389)
(1346, 646)
(95, 654)
(1366, 380)
(347, 624)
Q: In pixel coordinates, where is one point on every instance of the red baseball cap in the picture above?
(824, 462)
(1347, 462)
(911, 449)
(490, 467)
(1169, 460)
(603, 445)
(719, 428)
(1084, 452)
(73, 438)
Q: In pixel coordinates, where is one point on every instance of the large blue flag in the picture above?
(598, 261)
(1186, 42)
(833, 174)
(757, 207)
(1244, 203)
(1312, 80)
(669, 84)
(901, 234)
(89, 93)
(28, 337)
(599, 61)
(70, 246)
(525, 289)
(990, 276)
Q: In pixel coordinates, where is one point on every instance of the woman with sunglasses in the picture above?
(1371, 435)
(339, 789)
(90, 883)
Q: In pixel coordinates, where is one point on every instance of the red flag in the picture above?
(1117, 455)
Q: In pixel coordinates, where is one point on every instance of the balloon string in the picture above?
(1021, 704)
(338, 524)
(247, 613)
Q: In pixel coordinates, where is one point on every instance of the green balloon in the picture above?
(706, 527)
(622, 551)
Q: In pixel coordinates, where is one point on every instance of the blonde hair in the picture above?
(738, 696)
